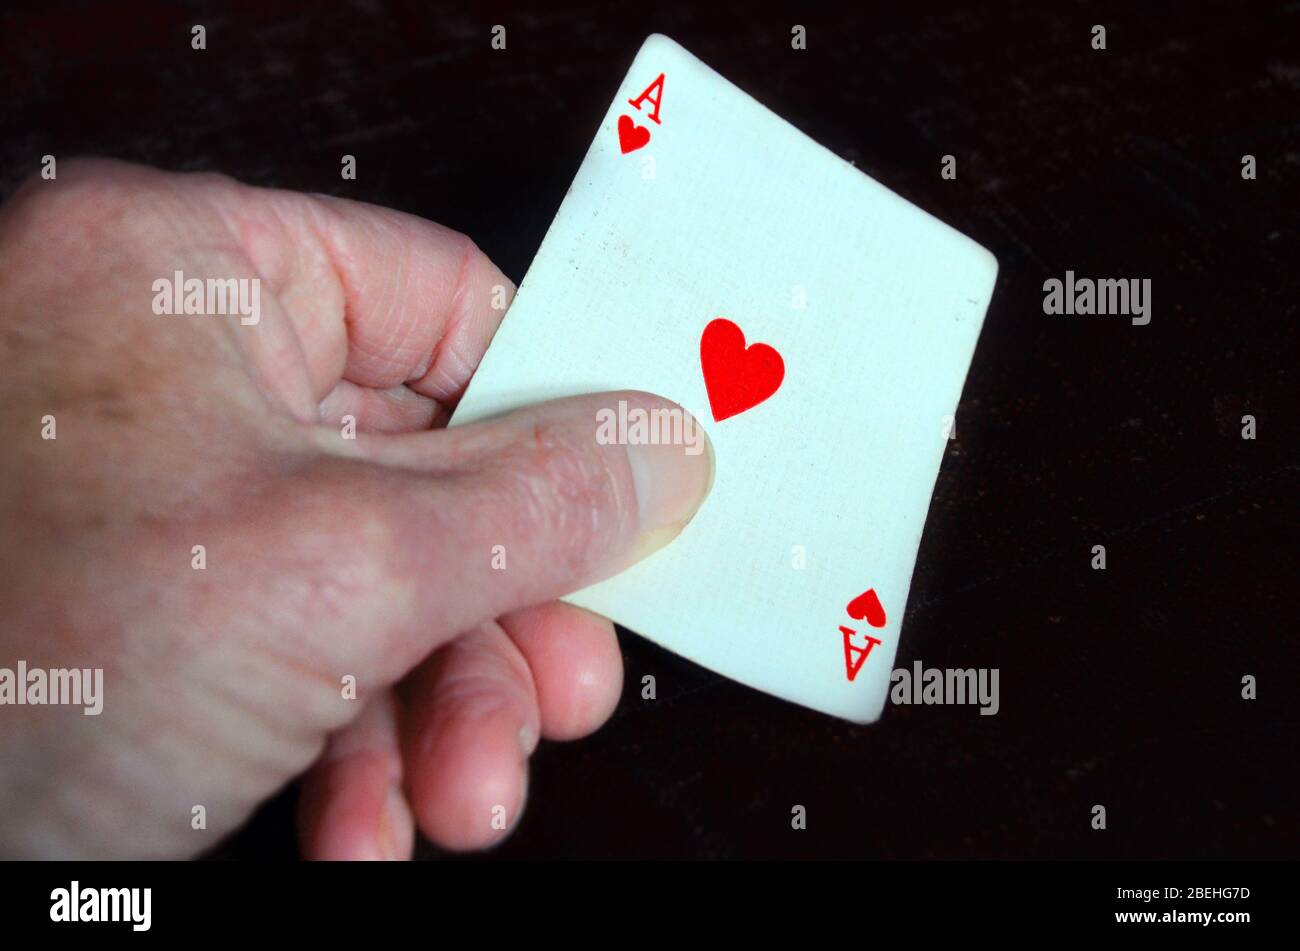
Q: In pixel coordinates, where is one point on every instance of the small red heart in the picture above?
(737, 377)
(868, 606)
(630, 135)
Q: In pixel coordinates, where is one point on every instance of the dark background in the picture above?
(1119, 687)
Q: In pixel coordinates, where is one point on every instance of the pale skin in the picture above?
(326, 558)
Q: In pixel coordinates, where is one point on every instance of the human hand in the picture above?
(324, 557)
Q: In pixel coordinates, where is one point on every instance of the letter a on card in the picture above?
(655, 100)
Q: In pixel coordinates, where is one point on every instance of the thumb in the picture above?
(501, 514)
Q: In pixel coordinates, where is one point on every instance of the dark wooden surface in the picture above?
(1119, 687)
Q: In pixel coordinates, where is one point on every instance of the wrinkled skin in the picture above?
(326, 558)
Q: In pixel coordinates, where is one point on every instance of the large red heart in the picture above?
(630, 135)
(737, 377)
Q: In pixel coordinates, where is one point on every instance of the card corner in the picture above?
(656, 40)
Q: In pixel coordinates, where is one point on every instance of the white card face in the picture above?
(794, 574)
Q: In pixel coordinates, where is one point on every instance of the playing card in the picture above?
(817, 325)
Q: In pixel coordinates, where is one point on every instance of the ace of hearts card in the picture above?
(817, 325)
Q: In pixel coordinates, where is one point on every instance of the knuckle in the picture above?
(98, 198)
(89, 196)
(38, 202)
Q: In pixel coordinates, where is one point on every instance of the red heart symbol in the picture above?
(737, 377)
(630, 135)
(867, 605)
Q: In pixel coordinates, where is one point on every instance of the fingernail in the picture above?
(670, 483)
(527, 739)
(392, 819)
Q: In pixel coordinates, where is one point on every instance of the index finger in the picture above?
(379, 297)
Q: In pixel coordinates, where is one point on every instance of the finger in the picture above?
(352, 805)
(491, 517)
(576, 664)
(380, 298)
(471, 723)
(372, 295)
(395, 410)
(423, 302)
